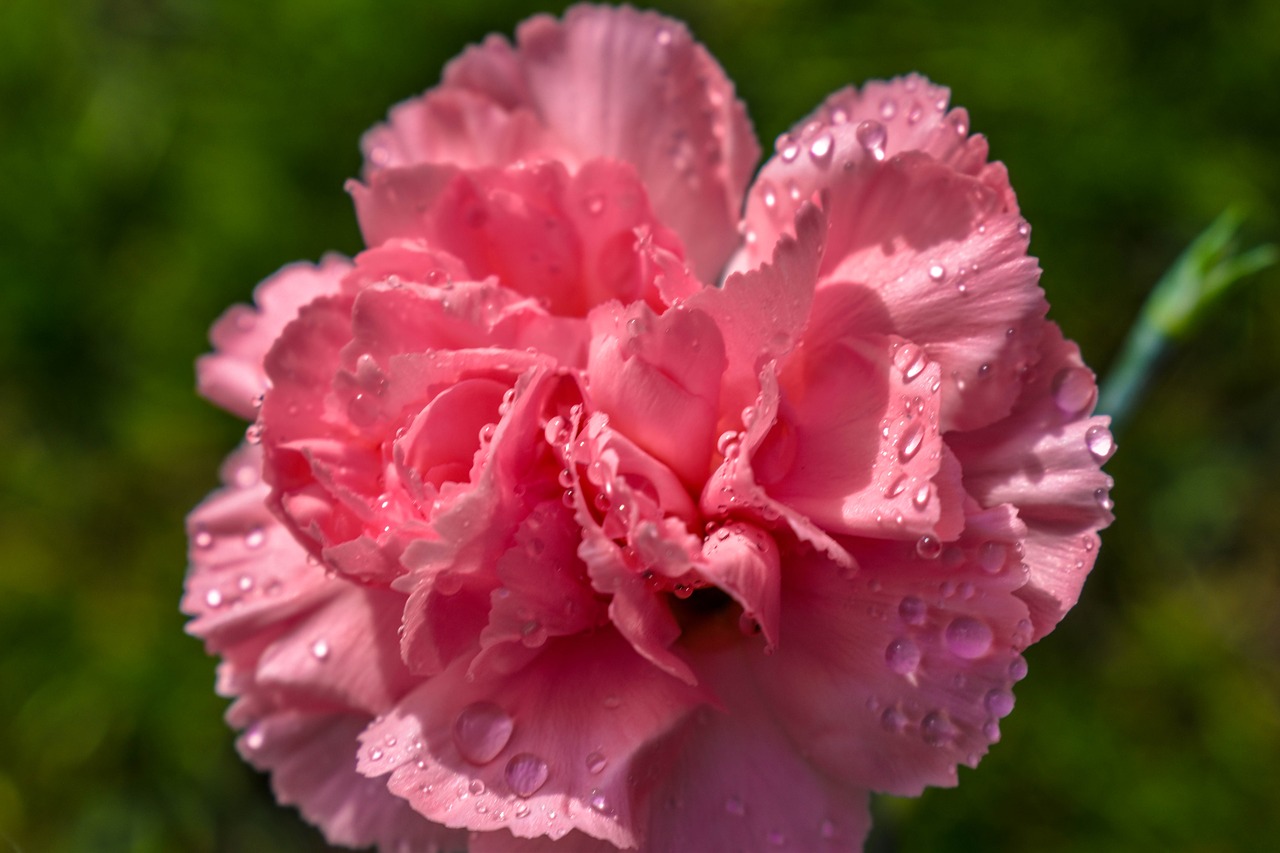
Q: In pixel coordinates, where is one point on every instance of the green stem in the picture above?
(1199, 276)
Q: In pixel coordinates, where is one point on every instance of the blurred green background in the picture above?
(159, 157)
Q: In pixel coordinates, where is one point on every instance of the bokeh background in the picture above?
(159, 157)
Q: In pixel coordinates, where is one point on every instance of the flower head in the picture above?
(574, 509)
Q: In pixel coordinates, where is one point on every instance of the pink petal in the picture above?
(743, 561)
(233, 375)
(567, 240)
(605, 82)
(540, 752)
(658, 380)
(311, 757)
(1044, 459)
(892, 700)
(735, 780)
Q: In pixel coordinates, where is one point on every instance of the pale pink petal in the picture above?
(311, 758)
(502, 841)
(1044, 459)
(736, 780)
(892, 700)
(658, 380)
(541, 752)
(605, 82)
(232, 376)
(743, 561)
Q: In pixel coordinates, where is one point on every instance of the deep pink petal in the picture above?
(232, 376)
(542, 751)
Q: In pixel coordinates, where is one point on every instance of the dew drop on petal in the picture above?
(255, 537)
(937, 272)
(1018, 669)
(888, 108)
(909, 444)
(600, 803)
(992, 556)
(928, 547)
(735, 807)
(522, 810)
(476, 787)
(872, 136)
(968, 638)
(245, 583)
(1024, 228)
(1073, 390)
(1103, 499)
(913, 610)
(893, 720)
(902, 656)
(896, 487)
(526, 773)
(596, 763)
(820, 150)
(203, 539)
(936, 729)
(999, 702)
(213, 598)
(320, 649)
(921, 499)
(254, 737)
(482, 731)
(1100, 443)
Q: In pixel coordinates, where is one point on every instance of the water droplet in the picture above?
(913, 610)
(213, 598)
(320, 649)
(896, 487)
(1073, 390)
(254, 737)
(893, 720)
(735, 807)
(921, 499)
(968, 638)
(770, 197)
(475, 786)
(522, 810)
(255, 537)
(872, 136)
(902, 656)
(594, 204)
(482, 731)
(612, 703)
(375, 754)
(600, 803)
(888, 108)
(728, 441)
(820, 150)
(253, 434)
(1100, 443)
(928, 547)
(1018, 669)
(789, 150)
(937, 272)
(245, 583)
(999, 702)
(936, 729)
(1103, 499)
(664, 37)
(202, 539)
(909, 444)
(526, 773)
(776, 837)
(596, 762)
(1024, 228)
(992, 556)
(911, 360)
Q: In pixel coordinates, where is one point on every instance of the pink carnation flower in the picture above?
(577, 514)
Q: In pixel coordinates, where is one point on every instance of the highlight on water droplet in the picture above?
(320, 649)
(1074, 390)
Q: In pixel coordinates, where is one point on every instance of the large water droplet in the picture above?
(902, 656)
(1100, 443)
(600, 803)
(596, 763)
(1104, 499)
(482, 731)
(872, 136)
(992, 556)
(911, 360)
(1018, 669)
(968, 638)
(1073, 390)
(526, 773)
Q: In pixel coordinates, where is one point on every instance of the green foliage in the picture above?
(162, 156)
